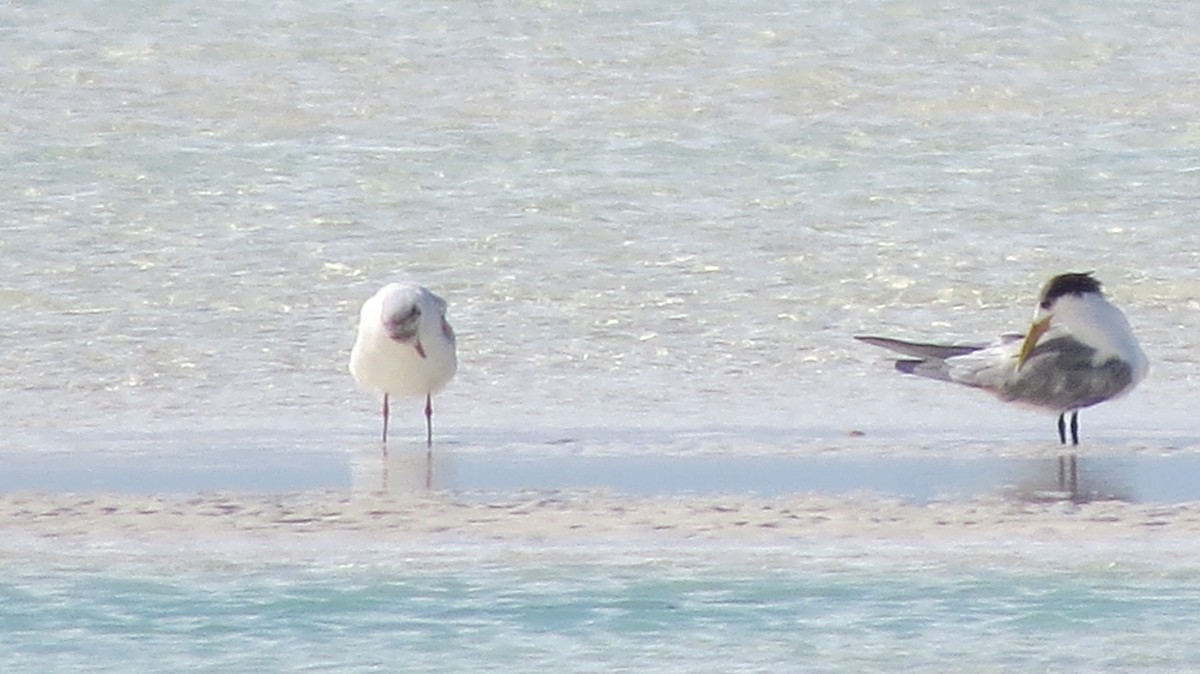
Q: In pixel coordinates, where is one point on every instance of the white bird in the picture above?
(405, 347)
(1080, 351)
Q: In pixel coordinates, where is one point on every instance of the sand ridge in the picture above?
(580, 515)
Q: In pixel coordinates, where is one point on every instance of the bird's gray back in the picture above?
(1060, 374)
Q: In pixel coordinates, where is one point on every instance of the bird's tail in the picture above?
(919, 350)
(926, 360)
(932, 369)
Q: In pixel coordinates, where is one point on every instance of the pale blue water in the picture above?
(643, 216)
(638, 611)
(657, 227)
(1143, 478)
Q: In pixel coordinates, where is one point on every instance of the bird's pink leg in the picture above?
(428, 441)
(428, 421)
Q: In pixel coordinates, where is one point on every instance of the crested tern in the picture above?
(405, 347)
(1080, 351)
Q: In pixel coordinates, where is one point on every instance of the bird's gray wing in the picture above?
(1062, 374)
(920, 350)
(990, 368)
(968, 364)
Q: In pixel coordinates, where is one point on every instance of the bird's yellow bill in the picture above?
(1036, 331)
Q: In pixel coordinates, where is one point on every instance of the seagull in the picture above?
(405, 347)
(1080, 351)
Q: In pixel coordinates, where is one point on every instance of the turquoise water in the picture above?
(639, 610)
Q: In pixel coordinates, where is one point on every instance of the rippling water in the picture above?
(676, 610)
(642, 216)
(657, 226)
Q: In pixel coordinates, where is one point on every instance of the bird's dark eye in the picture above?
(1046, 304)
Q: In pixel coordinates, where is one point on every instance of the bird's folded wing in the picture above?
(988, 368)
(920, 350)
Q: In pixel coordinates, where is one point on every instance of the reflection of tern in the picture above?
(1079, 352)
(404, 347)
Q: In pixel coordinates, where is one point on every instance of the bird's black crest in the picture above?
(1069, 284)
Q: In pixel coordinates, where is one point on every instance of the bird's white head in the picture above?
(1075, 304)
(412, 313)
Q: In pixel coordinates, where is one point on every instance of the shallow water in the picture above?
(663, 217)
(918, 479)
(718, 611)
(657, 227)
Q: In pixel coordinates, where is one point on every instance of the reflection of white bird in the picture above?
(1080, 351)
(404, 347)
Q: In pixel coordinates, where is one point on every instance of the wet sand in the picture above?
(85, 522)
(57, 502)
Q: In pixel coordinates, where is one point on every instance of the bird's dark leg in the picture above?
(1074, 464)
(385, 423)
(1062, 429)
(428, 421)
(1074, 427)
